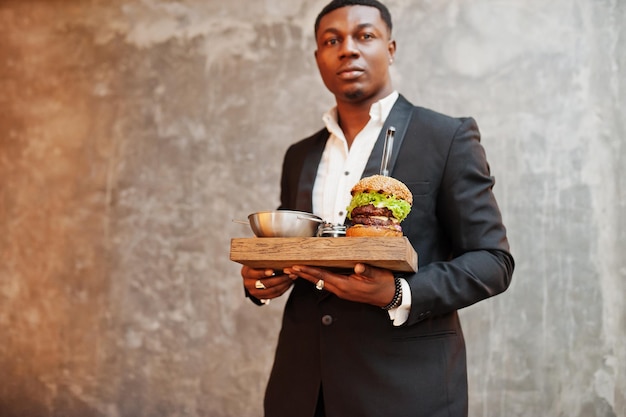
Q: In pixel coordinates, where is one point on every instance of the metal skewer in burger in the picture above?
(379, 203)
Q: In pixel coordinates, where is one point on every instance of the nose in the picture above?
(349, 48)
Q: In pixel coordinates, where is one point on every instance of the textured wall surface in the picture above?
(132, 133)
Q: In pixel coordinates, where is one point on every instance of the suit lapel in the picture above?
(399, 117)
(304, 200)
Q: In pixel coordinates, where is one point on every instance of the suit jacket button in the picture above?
(327, 320)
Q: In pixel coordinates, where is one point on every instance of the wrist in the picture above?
(397, 296)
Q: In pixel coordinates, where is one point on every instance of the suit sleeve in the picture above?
(479, 264)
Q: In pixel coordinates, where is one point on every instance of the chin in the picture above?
(354, 95)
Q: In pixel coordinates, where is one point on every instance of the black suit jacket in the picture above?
(364, 364)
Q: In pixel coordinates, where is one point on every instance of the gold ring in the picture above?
(320, 285)
(259, 285)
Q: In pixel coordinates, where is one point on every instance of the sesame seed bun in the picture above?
(384, 185)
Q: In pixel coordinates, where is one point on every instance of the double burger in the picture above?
(378, 205)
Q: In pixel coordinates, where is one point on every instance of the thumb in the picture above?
(362, 269)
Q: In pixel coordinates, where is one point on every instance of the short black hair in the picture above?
(336, 4)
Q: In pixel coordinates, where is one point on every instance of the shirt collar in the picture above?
(378, 113)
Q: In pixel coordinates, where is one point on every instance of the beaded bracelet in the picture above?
(397, 296)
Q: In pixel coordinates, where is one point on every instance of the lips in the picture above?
(350, 73)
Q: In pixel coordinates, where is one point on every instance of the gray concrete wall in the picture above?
(133, 131)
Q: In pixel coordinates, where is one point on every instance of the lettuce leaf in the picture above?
(400, 208)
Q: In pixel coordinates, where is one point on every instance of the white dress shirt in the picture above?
(341, 167)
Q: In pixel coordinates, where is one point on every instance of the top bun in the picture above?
(383, 185)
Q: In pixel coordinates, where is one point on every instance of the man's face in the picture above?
(354, 51)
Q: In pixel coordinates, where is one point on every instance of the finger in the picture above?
(275, 280)
(283, 288)
(326, 279)
(270, 287)
(309, 273)
(254, 273)
(367, 271)
(251, 277)
(272, 292)
(260, 279)
(290, 273)
(360, 269)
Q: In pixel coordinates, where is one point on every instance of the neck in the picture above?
(353, 116)
(352, 120)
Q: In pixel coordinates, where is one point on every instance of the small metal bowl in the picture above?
(284, 223)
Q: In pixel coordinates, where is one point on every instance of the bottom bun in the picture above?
(360, 230)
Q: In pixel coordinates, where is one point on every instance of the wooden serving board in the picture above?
(394, 253)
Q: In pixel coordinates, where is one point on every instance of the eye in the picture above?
(331, 41)
(367, 36)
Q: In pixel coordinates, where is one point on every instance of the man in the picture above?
(342, 352)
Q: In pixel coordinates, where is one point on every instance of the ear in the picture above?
(315, 54)
(391, 48)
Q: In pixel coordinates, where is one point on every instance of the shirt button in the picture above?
(327, 320)
(346, 173)
(341, 213)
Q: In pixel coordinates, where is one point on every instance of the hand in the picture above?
(367, 284)
(275, 285)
